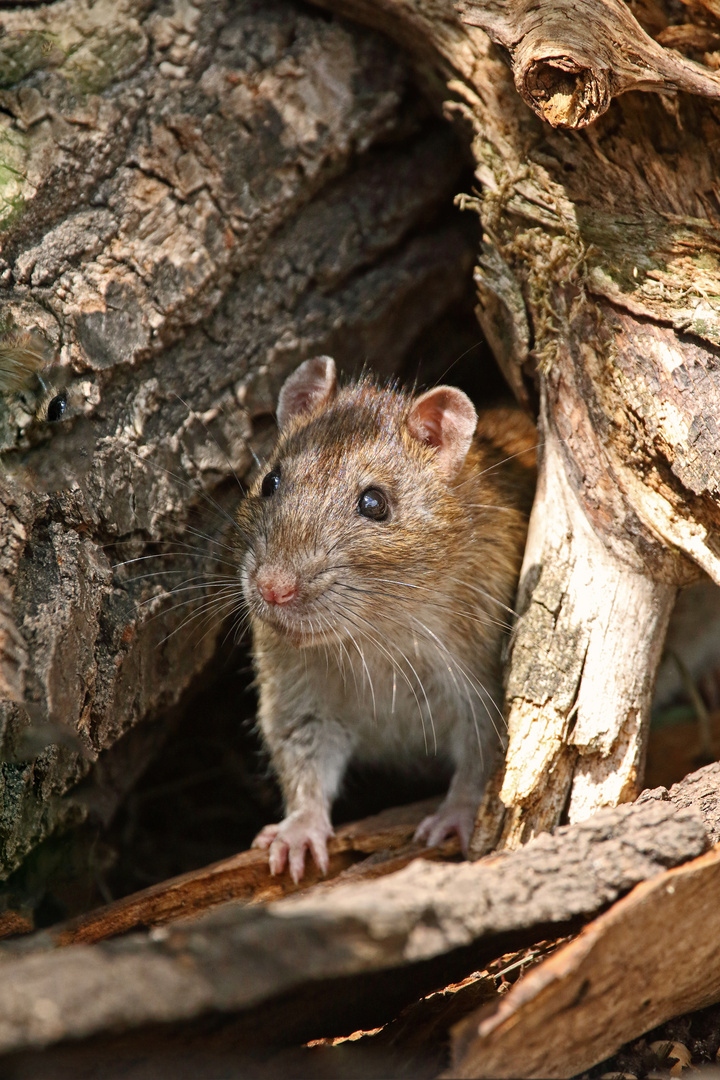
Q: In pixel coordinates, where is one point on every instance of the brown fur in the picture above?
(426, 591)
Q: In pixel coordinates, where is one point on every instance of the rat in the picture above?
(382, 547)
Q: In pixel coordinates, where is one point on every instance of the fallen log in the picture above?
(433, 920)
(652, 956)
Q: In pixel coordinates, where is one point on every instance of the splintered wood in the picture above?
(361, 851)
(652, 956)
(577, 737)
(284, 964)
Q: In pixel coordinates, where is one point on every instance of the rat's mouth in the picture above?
(290, 603)
(295, 622)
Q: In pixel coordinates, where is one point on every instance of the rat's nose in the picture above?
(276, 585)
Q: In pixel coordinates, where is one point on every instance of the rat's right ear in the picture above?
(313, 384)
(445, 419)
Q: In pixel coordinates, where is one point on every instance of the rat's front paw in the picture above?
(290, 839)
(451, 819)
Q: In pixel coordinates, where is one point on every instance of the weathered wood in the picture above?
(577, 730)
(568, 69)
(701, 790)
(237, 957)
(192, 200)
(652, 956)
(387, 837)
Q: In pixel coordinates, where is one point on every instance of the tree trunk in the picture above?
(193, 198)
(167, 180)
(598, 286)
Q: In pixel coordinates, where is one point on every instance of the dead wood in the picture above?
(568, 69)
(651, 957)
(238, 957)
(361, 851)
(701, 790)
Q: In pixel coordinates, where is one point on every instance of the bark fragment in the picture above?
(573, 1010)
(237, 957)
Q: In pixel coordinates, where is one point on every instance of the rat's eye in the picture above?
(373, 504)
(56, 408)
(270, 483)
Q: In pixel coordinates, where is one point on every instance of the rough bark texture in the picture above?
(193, 198)
(573, 1011)
(293, 951)
(599, 276)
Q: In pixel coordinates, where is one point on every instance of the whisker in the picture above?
(380, 646)
(476, 475)
(191, 412)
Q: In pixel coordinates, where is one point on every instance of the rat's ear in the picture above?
(314, 383)
(444, 418)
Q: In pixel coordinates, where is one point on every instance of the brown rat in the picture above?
(384, 542)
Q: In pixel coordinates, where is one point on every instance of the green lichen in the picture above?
(13, 177)
(25, 51)
(103, 59)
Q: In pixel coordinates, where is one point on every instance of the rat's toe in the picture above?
(278, 856)
(448, 821)
(265, 837)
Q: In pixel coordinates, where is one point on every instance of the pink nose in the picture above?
(277, 586)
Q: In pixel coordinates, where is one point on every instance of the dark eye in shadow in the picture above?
(56, 408)
(270, 483)
(374, 505)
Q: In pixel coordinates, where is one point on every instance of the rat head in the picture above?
(355, 515)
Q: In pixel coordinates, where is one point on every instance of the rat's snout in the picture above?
(276, 584)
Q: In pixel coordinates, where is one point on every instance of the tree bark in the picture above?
(310, 956)
(598, 286)
(583, 659)
(193, 198)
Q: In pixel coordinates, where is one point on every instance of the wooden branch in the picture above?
(238, 957)
(569, 63)
(652, 956)
(387, 837)
(567, 69)
(584, 656)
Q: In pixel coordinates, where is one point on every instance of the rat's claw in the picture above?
(448, 821)
(278, 857)
(289, 841)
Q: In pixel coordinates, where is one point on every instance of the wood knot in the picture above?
(563, 92)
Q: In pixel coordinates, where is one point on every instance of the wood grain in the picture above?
(362, 850)
(331, 940)
(652, 956)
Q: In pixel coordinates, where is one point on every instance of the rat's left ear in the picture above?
(446, 419)
(313, 384)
